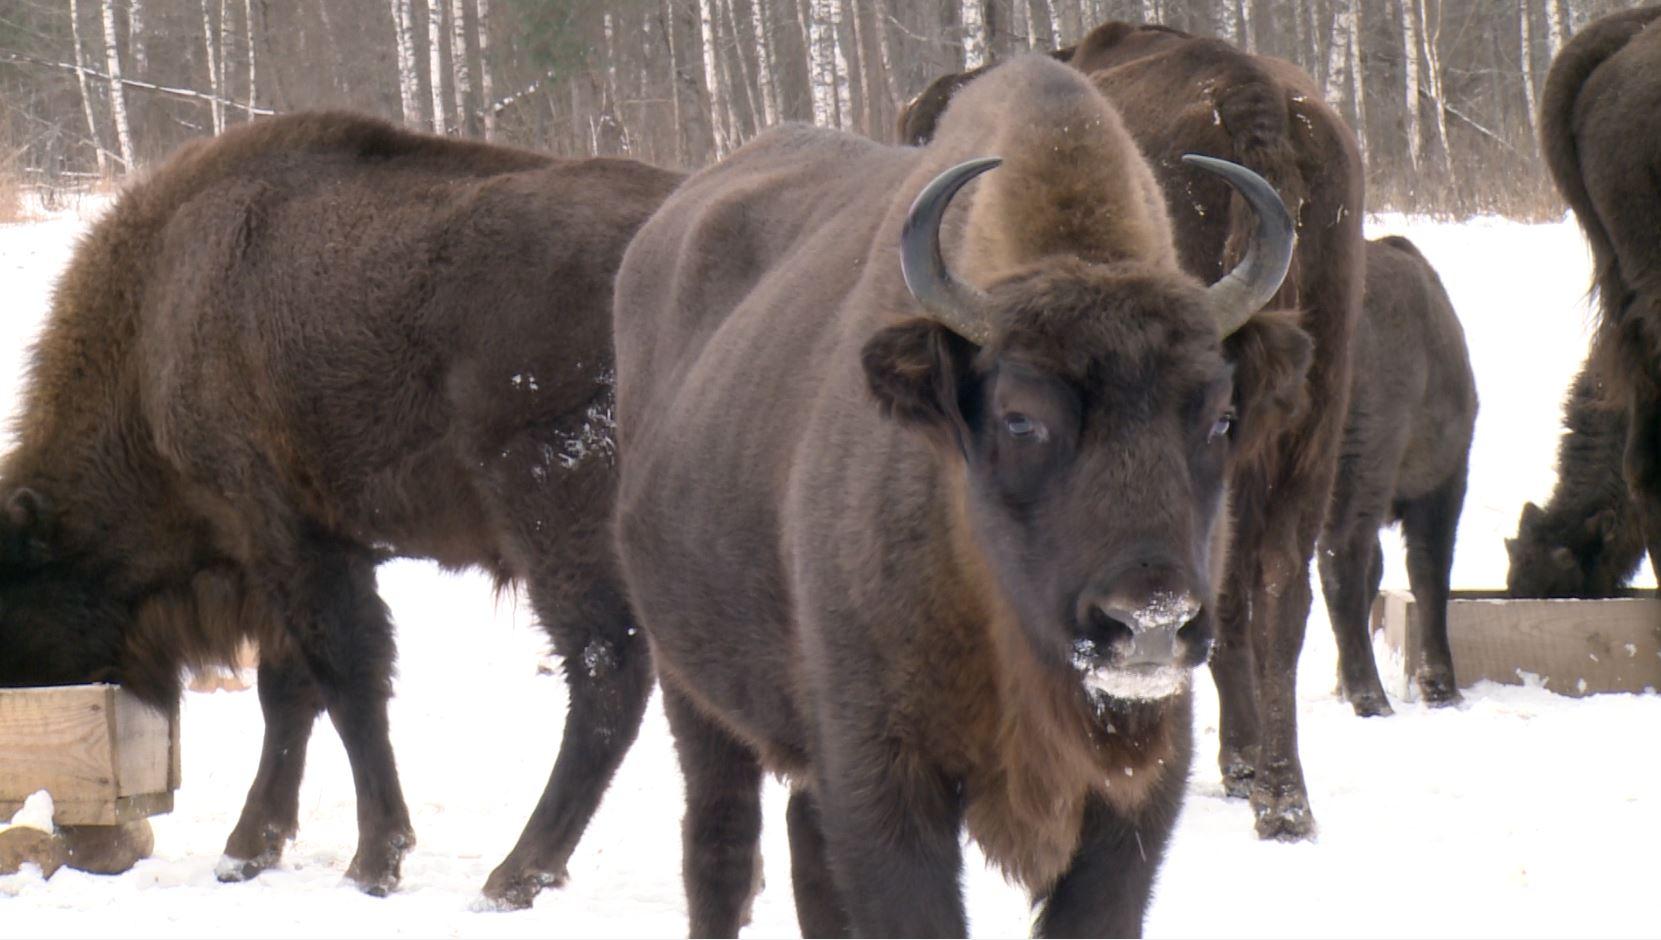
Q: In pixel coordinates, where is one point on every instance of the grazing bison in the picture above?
(937, 541)
(1179, 93)
(1587, 541)
(1600, 130)
(1404, 457)
(286, 355)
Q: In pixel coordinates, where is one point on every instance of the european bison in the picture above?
(937, 542)
(1587, 541)
(291, 352)
(1179, 93)
(1600, 130)
(1404, 458)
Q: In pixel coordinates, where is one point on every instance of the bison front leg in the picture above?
(608, 674)
(819, 909)
(1279, 798)
(290, 703)
(344, 633)
(1234, 670)
(721, 832)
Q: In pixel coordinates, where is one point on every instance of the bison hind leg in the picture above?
(608, 675)
(1430, 524)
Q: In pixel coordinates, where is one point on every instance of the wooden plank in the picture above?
(100, 812)
(57, 739)
(1575, 647)
(143, 747)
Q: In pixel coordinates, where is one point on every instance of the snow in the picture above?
(1521, 813)
(35, 813)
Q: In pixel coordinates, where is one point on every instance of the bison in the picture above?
(1600, 131)
(1587, 541)
(286, 355)
(1180, 93)
(937, 541)
(1404, 458)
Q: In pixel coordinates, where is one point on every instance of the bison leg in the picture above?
(721, 832)
(1280, 612)
(344, 632)
(818, 909)
(1348, 557)
(1643, 462)
(607, 668)
(1235, 673)
(1106, 889)
(1429, 524)
(290, 702)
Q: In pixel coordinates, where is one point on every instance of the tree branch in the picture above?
(134, 83)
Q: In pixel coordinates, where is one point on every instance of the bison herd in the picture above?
(922, 475)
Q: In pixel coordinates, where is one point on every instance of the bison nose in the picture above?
(1139, 619)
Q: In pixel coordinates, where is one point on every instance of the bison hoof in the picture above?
(1438, 689)
(1371, 704)
(232, 869)
(377, 869)
(1284, 816)
(514, 889)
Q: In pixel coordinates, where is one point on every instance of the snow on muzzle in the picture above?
(1133, 650)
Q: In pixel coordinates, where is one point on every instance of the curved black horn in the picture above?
(1244, 290)
(959, 306)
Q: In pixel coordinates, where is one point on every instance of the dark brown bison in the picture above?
(1587, 541)
(937, 541)
(1600, 130)
(1179, 93)
(287, 354)
(1404, 458)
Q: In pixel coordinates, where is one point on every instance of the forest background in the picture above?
(1443, 93)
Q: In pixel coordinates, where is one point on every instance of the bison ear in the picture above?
(26, 535)
(1271, 355)
(917, 370)
(1602, 525)
(1530, 518)
(1511, 546)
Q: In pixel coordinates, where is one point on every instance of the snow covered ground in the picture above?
(1520, 814)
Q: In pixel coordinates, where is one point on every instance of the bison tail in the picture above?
(1568, 75)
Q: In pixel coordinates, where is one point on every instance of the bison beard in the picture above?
(285, 355)
(885, 523)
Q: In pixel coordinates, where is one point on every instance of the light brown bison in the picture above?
(1179, 94)
(1600, 131)
(1405, 458)
(285, 355)
(937, 540)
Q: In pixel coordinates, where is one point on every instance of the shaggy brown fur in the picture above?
(896, 601)
(1178, 94)
(1404, 459)
(287, 354)
(1600, 130)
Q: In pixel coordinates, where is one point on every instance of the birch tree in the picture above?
(135, 37)
(481, 25)
(764, 63)
(1433, 81)
(409, 89)
(1410, 79)
(974, 34)
(1358, 75)
(824, 55)
(215, 83)
(885, 53)
(435, 65)
(718, 111)
(86, 93)
(1557, 28)
(459, 79)
(1525, 57)
(248, 30)
(118, 91)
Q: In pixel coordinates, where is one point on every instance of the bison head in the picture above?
(1093, 409)
(56, 626)
(1562, 558)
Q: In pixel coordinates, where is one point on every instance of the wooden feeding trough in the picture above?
(1573, 647)
(108, 761)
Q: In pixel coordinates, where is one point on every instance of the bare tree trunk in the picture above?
(719, 115)
(764, 63)
(744, 82)
(1433, 78)
(1069, 21)
(118, 92)
(1244, 35)
(1335, 85)
(214, 84)
(409, 89)
(1525, 59)
(248, 29)
(225, 49)
(481, 25)
(435, 65)
(135, 37)
(822, 54)
(1357, 76)
(694, 120)
(860, 68)
(974, 35)
(459, 78)
(1557, 28)
(1410, 76)
(98, 150)
(885, 54)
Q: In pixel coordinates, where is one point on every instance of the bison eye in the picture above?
(1221, 428)
(1024, 428)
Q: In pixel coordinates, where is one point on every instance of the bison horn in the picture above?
(960, 307)
(1244, 290)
